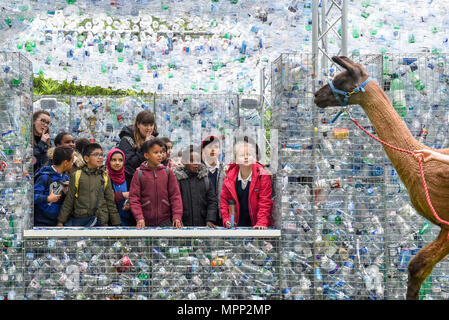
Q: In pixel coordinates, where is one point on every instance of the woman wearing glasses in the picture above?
(41, 138)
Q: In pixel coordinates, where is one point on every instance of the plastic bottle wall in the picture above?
(199, 46)
(349, 230)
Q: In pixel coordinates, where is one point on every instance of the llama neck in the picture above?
(389, 126)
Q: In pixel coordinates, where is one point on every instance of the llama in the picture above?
(390, 128)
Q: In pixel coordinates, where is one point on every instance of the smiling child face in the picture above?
(117, 161)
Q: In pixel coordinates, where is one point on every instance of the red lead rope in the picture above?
(420, 167)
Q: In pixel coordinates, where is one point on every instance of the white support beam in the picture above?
(120, 232)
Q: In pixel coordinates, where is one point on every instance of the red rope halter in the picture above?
(429, 202)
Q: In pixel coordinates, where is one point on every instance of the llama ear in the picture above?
(344, 62)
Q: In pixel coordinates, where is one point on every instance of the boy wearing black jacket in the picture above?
(199, 200)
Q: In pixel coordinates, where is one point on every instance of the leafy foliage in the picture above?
(43, 86)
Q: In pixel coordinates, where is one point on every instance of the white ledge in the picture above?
(106, 232)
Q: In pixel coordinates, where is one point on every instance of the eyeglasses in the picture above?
(97, 155)
(44, 122)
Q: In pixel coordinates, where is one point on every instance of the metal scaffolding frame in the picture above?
(326, 15)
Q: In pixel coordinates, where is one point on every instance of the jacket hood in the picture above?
(99, 170)
(46, 170)
(144, 167)
(78, 159)
(127, 131)
(181, 172)
(50, 153)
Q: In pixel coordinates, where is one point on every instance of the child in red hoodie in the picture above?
(154, 196)
(248, 185)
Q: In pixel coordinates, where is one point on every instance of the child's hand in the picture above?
(228, 224)
(126, 207)
(140, 224)
(59, 224)
(125, 195)
(260, 227)
(53, 197)
(211, 225)
(177, 223)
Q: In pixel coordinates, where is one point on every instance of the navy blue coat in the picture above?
(46, 214)
(40, 155)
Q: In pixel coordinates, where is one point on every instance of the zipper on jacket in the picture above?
(190, 201)
(157, 202)
(250, 208)
(235, 199)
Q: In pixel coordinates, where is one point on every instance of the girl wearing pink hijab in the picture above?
(116, 170)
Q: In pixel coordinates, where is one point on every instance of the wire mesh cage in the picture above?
(250, 111)
(187, 119)
(16, 168)
(102, 118)
(365, 231)
(164, 266)
(348, 228)
(59, 109)
(417, 86)
(292, 117)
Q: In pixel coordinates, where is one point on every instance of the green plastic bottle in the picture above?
(417, 83)
(425, 228)
(386, 67)
(120, 46)
(100, 47)
(397, 89)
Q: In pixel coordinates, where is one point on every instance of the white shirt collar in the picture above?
(244, 181)
(212, 169)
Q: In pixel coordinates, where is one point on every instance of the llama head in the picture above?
(350, 78)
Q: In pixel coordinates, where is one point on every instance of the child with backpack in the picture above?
(198, 196)
(51, 186)
(154, 195)
(246, 189)
(116, 170)
(90, 198)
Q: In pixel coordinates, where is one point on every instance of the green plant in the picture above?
(43, 86)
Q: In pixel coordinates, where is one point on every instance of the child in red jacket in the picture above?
(248, 185)
(154, 196)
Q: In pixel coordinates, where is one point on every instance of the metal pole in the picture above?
(262, 99)
(344, 28)
(154, 103)
(324, 35)
(238, 110)
(315, 52)
(315, 22)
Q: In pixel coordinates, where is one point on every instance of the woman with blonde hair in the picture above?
(245, 199)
